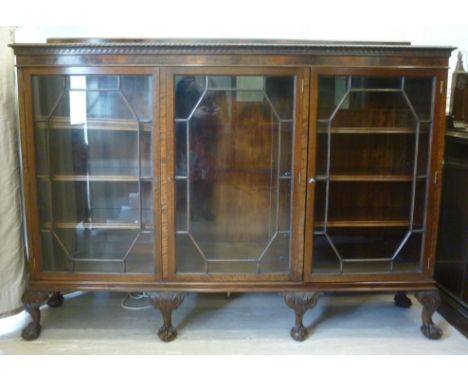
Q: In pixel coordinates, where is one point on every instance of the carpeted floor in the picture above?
(95, 323)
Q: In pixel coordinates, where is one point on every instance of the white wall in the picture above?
(441, 22)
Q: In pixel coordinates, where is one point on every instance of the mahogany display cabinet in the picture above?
(175, 166)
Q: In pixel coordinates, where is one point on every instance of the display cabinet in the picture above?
(175, 166)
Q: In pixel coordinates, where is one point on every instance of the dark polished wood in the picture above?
(451, 269)
(55, 300)
(455, 314)
(32, 300)
(370, 182)
(402, 300)
(430, 300)
(166, 302)
(300, 303)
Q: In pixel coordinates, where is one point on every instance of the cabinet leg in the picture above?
(430, 300)
(300, 303)
(166, 303)
(56, 300)
(402, 300)
(32, 301)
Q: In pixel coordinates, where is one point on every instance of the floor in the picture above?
(95, 323)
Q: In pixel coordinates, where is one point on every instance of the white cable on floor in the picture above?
(135, 296)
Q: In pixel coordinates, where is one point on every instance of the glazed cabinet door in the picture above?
(235, 155)
(370, 174)
(94, 197)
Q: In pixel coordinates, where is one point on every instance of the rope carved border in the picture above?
(220, 48)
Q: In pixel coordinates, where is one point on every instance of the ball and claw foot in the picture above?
(430, 300)
(32, 300)
(167, 333)
(56, 300)
(166, 302)
(402, 300)
(300, 303)
(431, 331)
(31, 332)
(299, 333)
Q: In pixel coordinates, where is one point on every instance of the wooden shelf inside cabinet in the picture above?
(370, 178)
(75, 225)
(371, 130)
(364, 223)
(111, 124)
(95, 178)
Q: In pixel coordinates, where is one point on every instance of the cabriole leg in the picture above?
(430, 300)
(55, 300)
(300, 303)
(32, 300)
(402, 300)
(166, 303)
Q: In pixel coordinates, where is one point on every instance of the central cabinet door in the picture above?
(234, 156)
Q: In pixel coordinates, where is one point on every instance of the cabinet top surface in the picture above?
(110, 46)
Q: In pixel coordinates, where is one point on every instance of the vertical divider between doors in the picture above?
(156, 155)
(300, 169)
(310, 186)
(164, 163)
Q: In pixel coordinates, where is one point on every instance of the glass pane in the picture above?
(181, 203)
(319, 207)
(331, 91)
(423, 148)
(99, 105)
(93, 149)
(376, 82)
(98, 250)
(94, 152)
(363, 201)
(45, 102)
(234, 216)
(98, 82)
(321, 149)
(419, 92)
(372, 154)
(365, 111)
(181, 153)
(188, 92)
(370, 197)
(325, 260)
(137, 91)
(275, 87)
(287, 138)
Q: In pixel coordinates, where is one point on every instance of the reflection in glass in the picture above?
(93, 149)
(233, 170)
(373, 137)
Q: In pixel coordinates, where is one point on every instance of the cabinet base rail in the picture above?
(168, 301)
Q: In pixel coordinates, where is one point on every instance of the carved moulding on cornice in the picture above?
(216, 49)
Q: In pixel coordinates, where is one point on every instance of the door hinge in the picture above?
(302, 86)
(441, 87)
(436, 176)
